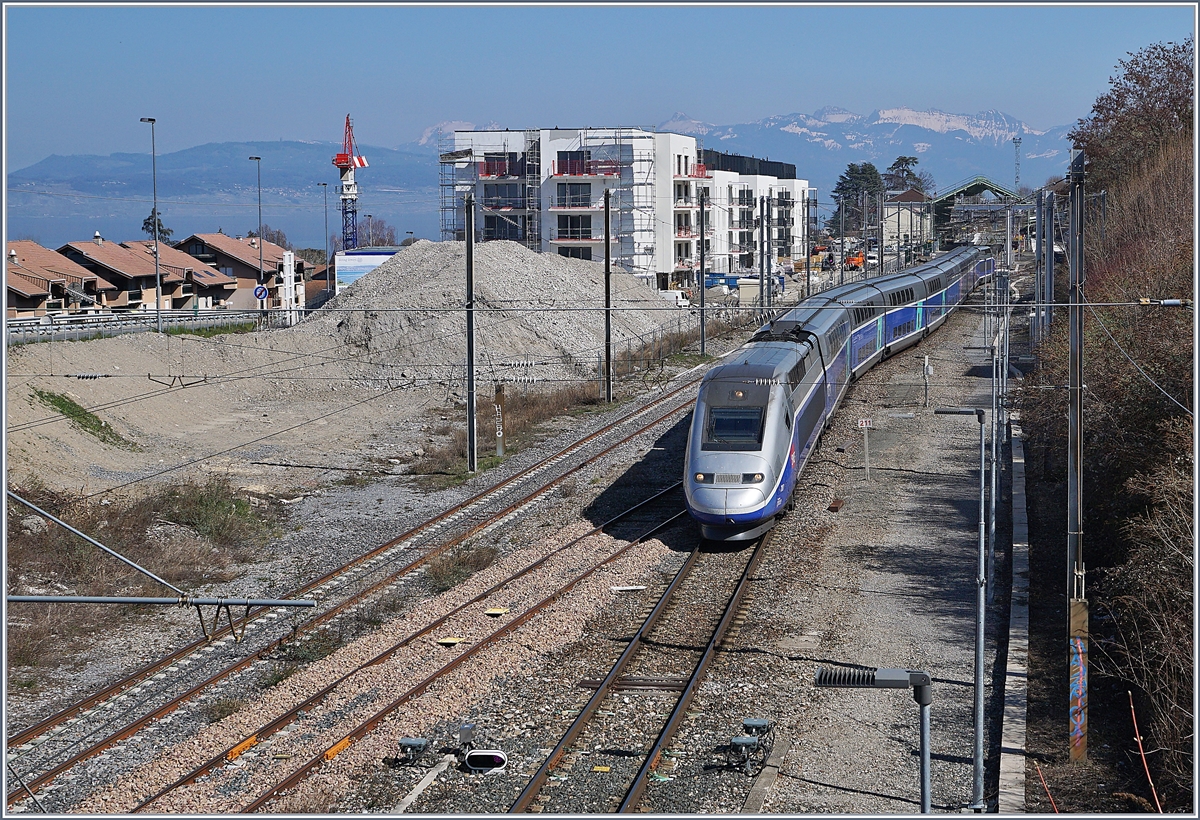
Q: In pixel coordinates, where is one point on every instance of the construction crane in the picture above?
(346, 162)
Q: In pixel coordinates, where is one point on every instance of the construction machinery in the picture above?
(346, 162)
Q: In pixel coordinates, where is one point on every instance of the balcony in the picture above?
(697, 171)
(575, 236)
(585, 168)
(686, 202)
(686, 232)
(684, 263)
(494, 168)
(575, 203)
(504, 203)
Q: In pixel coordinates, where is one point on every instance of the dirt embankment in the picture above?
(361, 383)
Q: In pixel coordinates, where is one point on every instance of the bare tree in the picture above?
(275, 235)
(373, 232)
(1150, 101)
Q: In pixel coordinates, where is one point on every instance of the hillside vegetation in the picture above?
(1138, 414)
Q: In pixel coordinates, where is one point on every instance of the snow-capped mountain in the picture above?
(952, 147)
(109, 193)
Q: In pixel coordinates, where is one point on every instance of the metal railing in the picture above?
(585, 168)
(28, 329)
(576, 202)
(504, 202)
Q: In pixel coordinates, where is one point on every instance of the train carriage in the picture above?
(759, 416)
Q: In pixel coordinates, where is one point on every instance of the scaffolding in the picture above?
(623, 157)
(463, 164)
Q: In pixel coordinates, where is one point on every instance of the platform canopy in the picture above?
(973, 187)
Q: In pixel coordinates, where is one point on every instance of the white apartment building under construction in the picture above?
(545, 189)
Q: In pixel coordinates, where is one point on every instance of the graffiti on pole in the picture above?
(1078, 708)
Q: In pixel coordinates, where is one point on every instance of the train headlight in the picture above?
(752, 478)
(704, 478)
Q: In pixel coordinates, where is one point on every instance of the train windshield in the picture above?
(733, 428)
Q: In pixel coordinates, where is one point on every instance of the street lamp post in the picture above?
(258, 160)
(369, 242)
(154, 222)
(328, 267)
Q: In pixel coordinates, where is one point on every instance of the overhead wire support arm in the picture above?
(182, 599)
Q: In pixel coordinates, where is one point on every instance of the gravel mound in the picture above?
(531, 307)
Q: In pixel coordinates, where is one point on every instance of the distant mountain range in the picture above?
(215, 186)
(952, 147)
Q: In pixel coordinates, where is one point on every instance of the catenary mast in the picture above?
(346, 162)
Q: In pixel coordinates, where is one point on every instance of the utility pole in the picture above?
(472, 444)
(1077, 604)
(328, 263)
(1017, 175)
(882, 194)
(608, 370)
(1008, 253)
(1048, 279)
(807, 247)
(1035, 327)
(762, 254)
(154, 182)
(703, 284)
(842, 242)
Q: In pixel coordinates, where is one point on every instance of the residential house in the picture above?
(239, 258)
(907, 219)
(40, 282)
(129, 273)
(204, 287)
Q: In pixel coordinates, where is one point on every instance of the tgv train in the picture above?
(758, 416)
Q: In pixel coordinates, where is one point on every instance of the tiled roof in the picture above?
(241, 249)
(25, 284)
(36, 264)
(176, 261)
(911, 195)
(122, 260)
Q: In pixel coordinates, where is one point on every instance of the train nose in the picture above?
(718, 501)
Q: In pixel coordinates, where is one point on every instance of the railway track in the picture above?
(672, 515)
(670, 652)
(40, 754)
(670, 499)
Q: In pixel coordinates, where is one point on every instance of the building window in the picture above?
(576, 253)
(573, 162)
(502, 195)
(501, 227)
(574, 194)
(575, 227)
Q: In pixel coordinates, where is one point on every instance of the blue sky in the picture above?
(77, 79)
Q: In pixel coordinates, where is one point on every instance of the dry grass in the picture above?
(450, 570)
(190, 534)
(1138, 505)
(221, 708)
(316, 798)
(525, 412)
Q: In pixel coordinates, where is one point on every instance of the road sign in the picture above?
(260, 292)
(864, 422)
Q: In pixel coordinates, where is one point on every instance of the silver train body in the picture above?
(758, 416)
